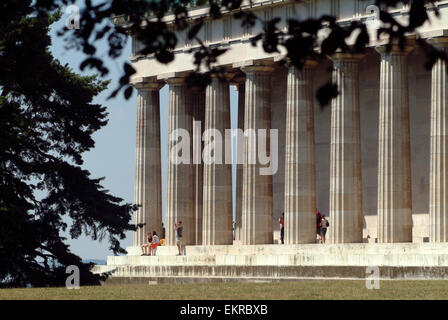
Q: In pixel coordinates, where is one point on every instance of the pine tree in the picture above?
(47, 119)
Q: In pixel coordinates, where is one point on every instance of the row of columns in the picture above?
(200, 195)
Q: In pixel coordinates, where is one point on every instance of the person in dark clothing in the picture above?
(323, 229)
(282, 227)
(318, 225)
(179, 228)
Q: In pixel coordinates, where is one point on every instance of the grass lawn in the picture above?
(329, 289)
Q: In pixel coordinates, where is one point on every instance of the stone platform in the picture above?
(280, 262)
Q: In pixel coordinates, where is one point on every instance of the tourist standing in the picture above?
(323, 230)
(318, 225)
(146, 248)
(282, 227)
(179, 228)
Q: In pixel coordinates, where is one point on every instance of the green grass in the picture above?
(330, 289)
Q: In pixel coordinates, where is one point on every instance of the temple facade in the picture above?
(375, 161)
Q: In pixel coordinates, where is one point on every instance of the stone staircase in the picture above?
(280, 263)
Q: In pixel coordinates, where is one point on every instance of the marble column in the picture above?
(257, 215)
(300, 174)
(438, 176)
(180, 169)
(239, 166)
(147, 192)
(217, 196)
(394, 167)
(198, 102)
(345, 153)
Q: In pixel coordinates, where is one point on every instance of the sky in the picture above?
(113, 156)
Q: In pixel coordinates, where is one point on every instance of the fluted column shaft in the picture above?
(438, 178)
(147, 163)
(345, 153)
(394, 168)
(180, 193)
(198, 102)
(217, 205)
(257, 189)
(239, 167)
(300, 175)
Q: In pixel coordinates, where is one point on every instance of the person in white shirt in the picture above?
(323, 229)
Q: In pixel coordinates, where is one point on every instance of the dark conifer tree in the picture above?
(47, 119)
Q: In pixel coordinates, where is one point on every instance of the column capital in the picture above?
(239, 79)
(146, 83)
(176, 81)
(439, 42)
(346, 57)
(257, 69)
(308, 65)
(395, 49)
(174, 78)
(251, 66)
(227, 75)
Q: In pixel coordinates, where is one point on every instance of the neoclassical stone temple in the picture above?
(375, 161)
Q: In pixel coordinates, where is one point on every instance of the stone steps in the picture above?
(165, 274)
(170, 280)
(280, 262)
(301, 259)
(161, 260)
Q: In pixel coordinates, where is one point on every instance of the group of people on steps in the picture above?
(150, 247)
